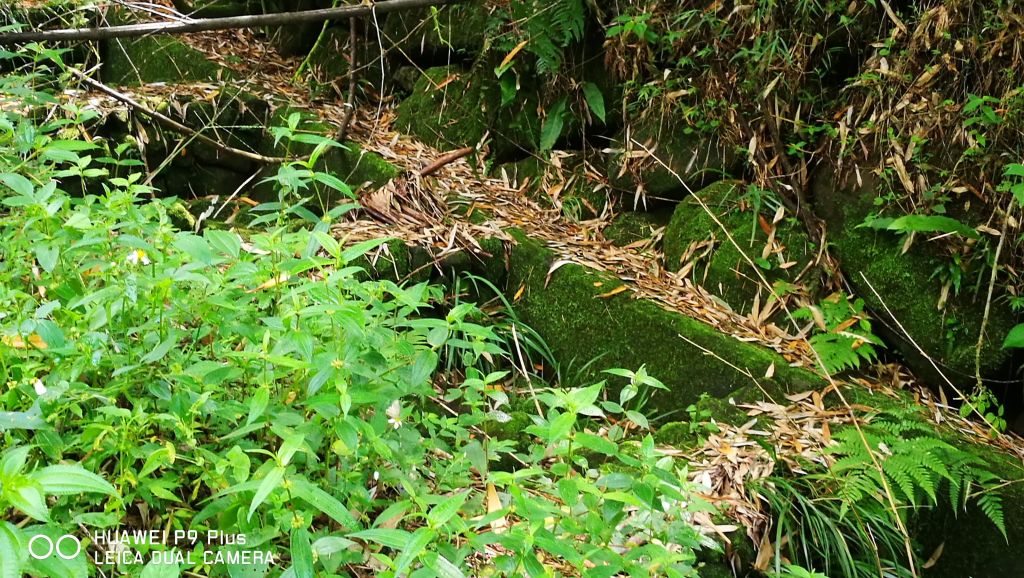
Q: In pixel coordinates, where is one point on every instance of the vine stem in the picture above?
(988, 303)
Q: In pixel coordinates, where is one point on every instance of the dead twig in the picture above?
(172, 124)
(445, 159)
(229, 23)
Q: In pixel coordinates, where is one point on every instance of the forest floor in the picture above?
(441, 214)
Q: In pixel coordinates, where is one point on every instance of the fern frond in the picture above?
(992, 506)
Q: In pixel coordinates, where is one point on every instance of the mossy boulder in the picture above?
(584, 321)
(972, 546)
(904, 284)
(561, 181)
(295, 39)
(698, 159)
(634, 226)
(158, 59)
(724, 268)
(454, 107)
(426, 39)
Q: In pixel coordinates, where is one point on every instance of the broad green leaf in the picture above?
(412, 549)
(47, 256)
(330, 545)
(302, 553)
(161, 349)
(326, 503)
(13, 461)
(266, 487)
(595, 100)
(329, 243)
(441, 565)
(596, 443)
(447, 508)
(155, 569)
(17, 183)
(62, 480)
(57, 566)
(195, 247)
(388, 537)
(561, 426)
(925, 224)
(28, 497)
(553, 125)
(12, 551)
(258, 404)
(289, 446)
(1014, 170)
(224, 241)
(1015, 338)
(334, 183)
(361, 248)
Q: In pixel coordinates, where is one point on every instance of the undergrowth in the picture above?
(264, 385)
(840, 519)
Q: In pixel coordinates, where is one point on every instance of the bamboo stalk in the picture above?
(232, 22)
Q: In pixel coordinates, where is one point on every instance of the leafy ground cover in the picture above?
(159, 379)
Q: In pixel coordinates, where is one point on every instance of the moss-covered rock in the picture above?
(562, 182)
(873, 261)
(971, 544)
(633, 226)
(426, 39)
(158, 59)
(454, 107)
(581, 323)
(722, 268)
(295, 39)
(698, 160)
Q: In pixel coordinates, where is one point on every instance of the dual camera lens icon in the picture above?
(67, 547)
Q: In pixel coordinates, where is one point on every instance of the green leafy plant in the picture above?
(840, 519)
(844, 339)
(262, 383)
(984, 403)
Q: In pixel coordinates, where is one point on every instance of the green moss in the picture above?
(695, 159)
(396, 262)
(579, 198)
(457, 31)
(158, 59)
(580, 326)
(359, 168)
(726, 271)
(676, 434)
(874, 262)
(452, 107)
(632, 226)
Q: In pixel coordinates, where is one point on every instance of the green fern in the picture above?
(915, 464)
(549, 27)
(841, 518)
(847, 340)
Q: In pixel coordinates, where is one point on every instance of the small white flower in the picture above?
(39, 387)
(376, 476)
(394, 412)
(137, 256)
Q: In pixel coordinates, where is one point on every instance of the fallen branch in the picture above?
(232, 22)
(445, 159)
(172, 124)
